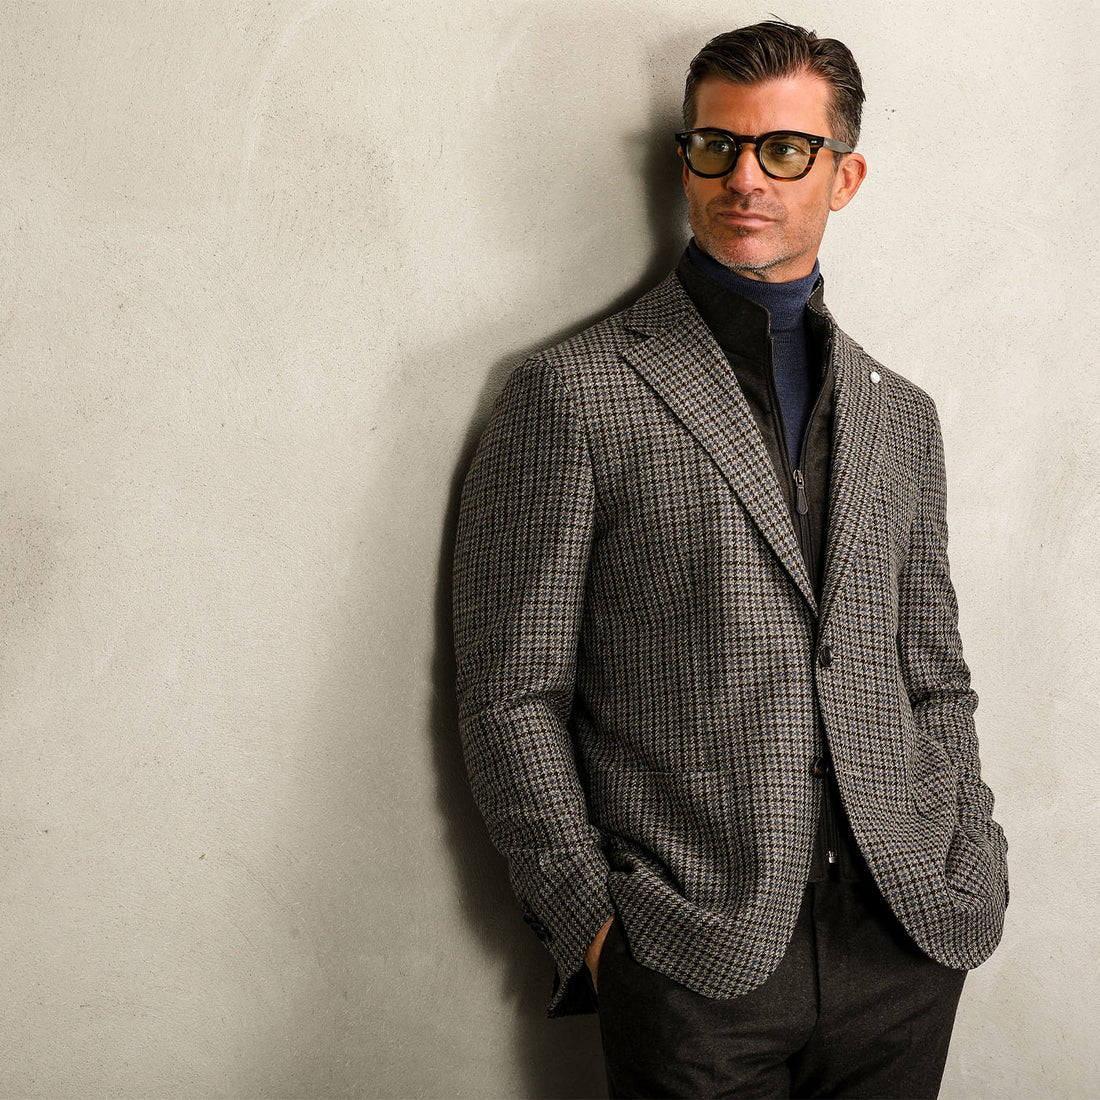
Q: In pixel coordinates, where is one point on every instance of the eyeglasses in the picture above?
(781, 154)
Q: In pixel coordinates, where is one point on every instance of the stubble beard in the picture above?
(724, 243)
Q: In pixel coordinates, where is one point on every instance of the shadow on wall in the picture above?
(559, 1058)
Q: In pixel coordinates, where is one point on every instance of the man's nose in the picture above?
(746, 175)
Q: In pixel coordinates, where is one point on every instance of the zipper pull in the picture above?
(801, 502)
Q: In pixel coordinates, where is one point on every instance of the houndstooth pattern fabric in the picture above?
(644, 672)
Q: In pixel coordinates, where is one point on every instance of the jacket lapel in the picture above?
(859, 399)
(689, 372)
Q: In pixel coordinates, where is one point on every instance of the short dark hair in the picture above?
(766, 51)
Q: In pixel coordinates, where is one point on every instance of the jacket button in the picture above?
(821, 766)
(825, 656)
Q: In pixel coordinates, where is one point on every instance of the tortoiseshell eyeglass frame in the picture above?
(816, 142)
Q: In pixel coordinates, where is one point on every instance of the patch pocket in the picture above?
(898, 495)
(674, 824)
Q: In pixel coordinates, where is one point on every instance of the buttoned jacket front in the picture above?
(645, 675)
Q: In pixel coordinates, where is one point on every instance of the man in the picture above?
(713, 699)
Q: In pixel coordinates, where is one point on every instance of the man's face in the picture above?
(763, 228)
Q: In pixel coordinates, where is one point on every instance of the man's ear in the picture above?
(847, 179)
(686, 171)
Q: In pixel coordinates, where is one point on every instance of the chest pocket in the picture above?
(899, 499)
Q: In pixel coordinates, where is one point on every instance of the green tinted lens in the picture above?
(711, 151)
(786, 155)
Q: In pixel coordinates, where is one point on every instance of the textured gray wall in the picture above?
(265, 266)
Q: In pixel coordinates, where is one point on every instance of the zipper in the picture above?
(802, 507)
(802, 510)
(829, 790)
(801, 502)
(832, 839)
(829, 833)
(801, 497)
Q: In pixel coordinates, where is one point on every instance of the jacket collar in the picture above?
(859, 404)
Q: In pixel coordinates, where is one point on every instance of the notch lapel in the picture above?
(687, 369)
(857, 444)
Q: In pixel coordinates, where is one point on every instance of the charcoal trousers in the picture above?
(854, 1009)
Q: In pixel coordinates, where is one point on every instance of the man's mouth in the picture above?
(747, 219)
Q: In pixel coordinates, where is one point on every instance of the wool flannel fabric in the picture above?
(645, 675)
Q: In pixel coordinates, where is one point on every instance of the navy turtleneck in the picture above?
(795, 377)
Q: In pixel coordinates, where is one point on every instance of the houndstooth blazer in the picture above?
(645, 674)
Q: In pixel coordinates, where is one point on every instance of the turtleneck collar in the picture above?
(785, 302)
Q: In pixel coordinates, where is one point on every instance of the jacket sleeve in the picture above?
(931, 654)
(524, 533)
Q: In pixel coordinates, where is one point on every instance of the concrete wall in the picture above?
(265, 266)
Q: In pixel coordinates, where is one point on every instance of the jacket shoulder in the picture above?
(603, 342)
(904, 393)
